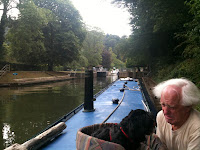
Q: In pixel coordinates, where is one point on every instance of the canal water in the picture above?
(25, 111)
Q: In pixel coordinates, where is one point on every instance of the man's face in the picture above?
(174, 112)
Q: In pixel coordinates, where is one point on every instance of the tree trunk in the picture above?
(50, 66)
(40, 140)
(2, 26)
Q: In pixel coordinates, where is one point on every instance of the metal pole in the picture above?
(88, 99)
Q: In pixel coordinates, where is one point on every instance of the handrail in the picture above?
(5, 69)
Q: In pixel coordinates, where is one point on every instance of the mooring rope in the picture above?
(115, 108)
(134, 89)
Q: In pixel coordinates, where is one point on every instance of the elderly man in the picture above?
(178, 123)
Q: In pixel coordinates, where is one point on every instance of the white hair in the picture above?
(190, 92)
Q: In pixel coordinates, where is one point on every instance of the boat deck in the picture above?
(132, 98)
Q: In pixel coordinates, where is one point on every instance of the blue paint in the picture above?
(15, 74)
(103, 107)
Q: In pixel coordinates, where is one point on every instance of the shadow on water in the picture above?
(25, 111)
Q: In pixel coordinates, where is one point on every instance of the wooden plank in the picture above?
(40, 140)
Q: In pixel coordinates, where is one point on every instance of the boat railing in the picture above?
(147, 101)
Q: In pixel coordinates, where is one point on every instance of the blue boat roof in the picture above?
(132, 98)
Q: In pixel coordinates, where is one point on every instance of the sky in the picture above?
(104, 15)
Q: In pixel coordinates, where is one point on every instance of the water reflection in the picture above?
(101, 82)
(8, 135)
(25, 111)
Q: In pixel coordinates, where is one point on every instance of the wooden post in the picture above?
(40, 140)
(88, 99)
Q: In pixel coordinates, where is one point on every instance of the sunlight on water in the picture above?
(8, 135)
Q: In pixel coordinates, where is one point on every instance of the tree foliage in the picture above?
(115, 62)
(6, 6)
(165, 35)
(192, 33)
(98, 49)
(110, 41)
(51, 33)
(47, 32)
(25, 37)
(106, 59)
(64, 34)
(190, 44)
(93, 47)
(121, 48)
(114, 51)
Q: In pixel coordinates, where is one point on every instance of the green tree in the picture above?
(154, 24)
(25, 37)
(46, 32)
(115, 62)
(190, 46)
(111, 41)
(6, 6)
(93, 47)
(106, 59)
(121, 49)
(113, 53)
(64, 34)
(191, 35)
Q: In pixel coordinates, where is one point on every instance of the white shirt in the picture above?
(187, 137)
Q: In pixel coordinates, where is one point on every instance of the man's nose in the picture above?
(166, 110)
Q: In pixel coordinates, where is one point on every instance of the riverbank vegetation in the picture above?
(51, 35)
(165, 36)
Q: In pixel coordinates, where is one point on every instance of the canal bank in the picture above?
(21, 78)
